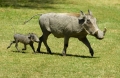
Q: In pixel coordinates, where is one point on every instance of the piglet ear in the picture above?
(30, 37)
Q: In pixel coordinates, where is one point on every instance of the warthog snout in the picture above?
(100, 34)
(34, 38)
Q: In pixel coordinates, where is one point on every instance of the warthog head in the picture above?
(89, 24)
(33, 37)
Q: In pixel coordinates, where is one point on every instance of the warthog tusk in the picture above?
(86, 30)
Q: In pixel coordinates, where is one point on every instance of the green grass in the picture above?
(77, 63)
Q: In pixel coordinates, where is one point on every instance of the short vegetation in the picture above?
(78, 63)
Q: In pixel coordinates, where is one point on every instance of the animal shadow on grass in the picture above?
(58, 54)
(19, 52)
(70, 55)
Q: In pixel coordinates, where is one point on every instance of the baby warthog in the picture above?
(25, 39)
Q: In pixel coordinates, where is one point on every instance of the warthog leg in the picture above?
(31, 45)
(24, 47)
(66, 40)
(10, 44)
(16, 45)
(43, 39)
(87, 43)
(39, 45)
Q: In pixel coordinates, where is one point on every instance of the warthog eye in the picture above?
(32, 37)
(88, 21)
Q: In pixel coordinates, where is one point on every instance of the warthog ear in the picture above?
(81, 18)
(81, 21)
(29, 37)
(89, 12)
(81, 13)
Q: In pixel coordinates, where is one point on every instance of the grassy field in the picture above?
(77, 63)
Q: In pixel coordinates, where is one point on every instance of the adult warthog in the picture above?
(66, 25)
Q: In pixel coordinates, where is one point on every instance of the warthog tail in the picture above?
(31, 18)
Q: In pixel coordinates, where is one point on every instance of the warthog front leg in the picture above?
(16, 45)
(31, 44)
(39, 45)
(87, 43)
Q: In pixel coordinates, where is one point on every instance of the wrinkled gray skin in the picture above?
(66, 25)
(25, 39)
